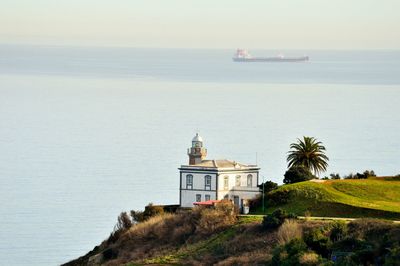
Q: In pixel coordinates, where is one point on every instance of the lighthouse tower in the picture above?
(197, 153)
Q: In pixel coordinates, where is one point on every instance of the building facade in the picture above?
(203, 180)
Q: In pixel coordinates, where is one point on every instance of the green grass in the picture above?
(378, 198)
(250, 219)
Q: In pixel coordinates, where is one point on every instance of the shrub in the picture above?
(296, 246)
(289, 230)
(369, 173)
(309, 258)
(350, 176)
(275, 219)
(396, 178)
(149, 211)
(318, 241)
(290, 253)
(297, 174)
(137, 216)
(364, 175)
(124, 222)
(393, 257)
(349, 244)
(255, 202)
(334, 176)
(338, 230)
(368, 228)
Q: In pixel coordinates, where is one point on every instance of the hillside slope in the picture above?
(377, 198)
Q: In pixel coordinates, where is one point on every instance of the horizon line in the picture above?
(188, 48)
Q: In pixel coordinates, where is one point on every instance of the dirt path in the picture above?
(314, 218)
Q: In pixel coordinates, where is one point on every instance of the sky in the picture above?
(265, 24)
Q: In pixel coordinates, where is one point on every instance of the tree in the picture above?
(308, 153)
(297, 174)
(268, 186)
(334, 176)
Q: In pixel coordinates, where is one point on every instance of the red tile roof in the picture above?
(206, 203)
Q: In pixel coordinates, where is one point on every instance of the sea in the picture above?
(89, 132)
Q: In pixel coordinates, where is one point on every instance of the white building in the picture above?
(203, 180)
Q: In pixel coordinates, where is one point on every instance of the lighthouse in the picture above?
(197, 153)
(204, 179)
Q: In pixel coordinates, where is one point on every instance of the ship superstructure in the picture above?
(243, 55)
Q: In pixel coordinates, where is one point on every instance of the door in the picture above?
(236, 201)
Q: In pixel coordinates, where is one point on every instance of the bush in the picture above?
(396, 178)
(368, 228)
(309, 258)
(369, 173)
(318, 241)
(290, 253)
(149, 211)
(297, 174)
(123, 224)
(255, 202)
(364, 175)
(393, 257)
(275, 219)
(137, 216)
(338, 230)
(334, 176)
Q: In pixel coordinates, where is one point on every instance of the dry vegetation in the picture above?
(215, 237)
(289, 230)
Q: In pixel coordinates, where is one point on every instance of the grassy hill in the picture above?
(377, 197)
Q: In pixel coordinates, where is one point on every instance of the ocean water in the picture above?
(86, 133)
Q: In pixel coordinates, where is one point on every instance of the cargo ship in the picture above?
(244, 56)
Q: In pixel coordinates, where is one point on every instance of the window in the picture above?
(249, 180)
(207, 182)
(198, 197)
(226, 182)
(189, 182)
(237, 183)
(207, 197)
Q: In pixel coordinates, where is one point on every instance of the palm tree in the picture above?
(308, 153)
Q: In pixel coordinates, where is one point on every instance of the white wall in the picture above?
(189, 196)
(198, 180)
(242, 191)
(232, 180)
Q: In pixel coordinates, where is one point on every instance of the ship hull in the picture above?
(271, 59)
